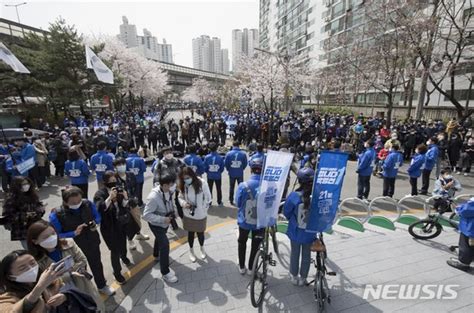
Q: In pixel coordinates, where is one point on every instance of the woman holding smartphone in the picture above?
(46, 247)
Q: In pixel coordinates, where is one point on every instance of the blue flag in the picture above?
(326, 190)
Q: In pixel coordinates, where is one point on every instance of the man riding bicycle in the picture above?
(445, 187)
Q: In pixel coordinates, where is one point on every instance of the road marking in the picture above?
(150, 259)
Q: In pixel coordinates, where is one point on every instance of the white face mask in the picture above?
(121, 168)
(25, 188)
(29, 276)
(188, 181)
(448, 177)
(173, 188)
(75, 206)
(50, 242)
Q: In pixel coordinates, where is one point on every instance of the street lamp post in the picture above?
(16, 8)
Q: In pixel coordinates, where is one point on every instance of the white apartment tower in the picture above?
(146, 45)
(243, 43)
(208, 55)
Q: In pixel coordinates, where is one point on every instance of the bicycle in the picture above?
(263, 258)
(321, 287)
(430, 227)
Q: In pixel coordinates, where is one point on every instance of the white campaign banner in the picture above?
(272, 184)
(103, 73)
(8, 57)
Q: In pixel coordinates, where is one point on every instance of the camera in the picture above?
(173, 222)
(192, 209)
(119, 189)
(91, 225)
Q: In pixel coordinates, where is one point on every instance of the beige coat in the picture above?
(80, 263)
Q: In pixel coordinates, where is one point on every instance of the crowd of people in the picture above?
(62, 255)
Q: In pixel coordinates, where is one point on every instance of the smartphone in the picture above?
(64, 264)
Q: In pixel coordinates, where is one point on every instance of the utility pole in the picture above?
(16, 8)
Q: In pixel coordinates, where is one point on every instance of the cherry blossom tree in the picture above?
(200, 91)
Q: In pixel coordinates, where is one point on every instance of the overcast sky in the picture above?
(177, 21)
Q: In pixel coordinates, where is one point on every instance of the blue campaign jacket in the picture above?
(366, 162)
(101, 162)
(137, 166)
(246, 204)
(431, 157)
(214, 166)
(297, 218)
(416, 165)
(466, 218)
(392, 163)
(77, 171)
(235, 162)
(196, 163)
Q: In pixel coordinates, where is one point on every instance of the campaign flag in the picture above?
(103, 73)
(272, 184)
(8, 57)
(326, 190)
(25, 166)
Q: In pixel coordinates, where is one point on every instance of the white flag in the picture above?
(272, 185)
(103, 73)
(9, 58)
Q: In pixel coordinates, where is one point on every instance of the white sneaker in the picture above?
(249, 272)
(192, 256)
(107, 290)
(242, 271)
(203, 253)
(170, 277)
(466, 174)
(458, 173)
(302, 281)
(132, 245)
(140, 236)
(294, 280)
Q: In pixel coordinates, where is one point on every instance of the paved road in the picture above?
(50, 195)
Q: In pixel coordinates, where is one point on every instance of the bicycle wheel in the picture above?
(319, 291)
(258, 283)
(425, 229)
(274, 240)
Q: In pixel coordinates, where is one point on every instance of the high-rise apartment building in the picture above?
(147, 45)
(243, 44)
(208, 55)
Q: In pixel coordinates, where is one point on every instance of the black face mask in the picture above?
(111, 185)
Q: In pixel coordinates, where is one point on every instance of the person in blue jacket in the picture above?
(365, 166)
(77, 171)
(466, 237)
(390, 167)
(246, 201)
(214, 166)
(416, 166)
(193, 161)
(101, 162)
(431, 158)
(235, 164)
(137, 166)
(297, 211)
(27, 151)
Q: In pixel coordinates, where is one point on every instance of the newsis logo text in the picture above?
(410, 292)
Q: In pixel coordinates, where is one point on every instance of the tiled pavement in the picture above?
(374, 257)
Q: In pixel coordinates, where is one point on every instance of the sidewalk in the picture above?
(374, 257)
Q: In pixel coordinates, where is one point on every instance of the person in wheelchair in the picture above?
(445, 187)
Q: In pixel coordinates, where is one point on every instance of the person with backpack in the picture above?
(246, 201)
(297, 211)
(466, 237)
(235, 163)
(78, 218)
